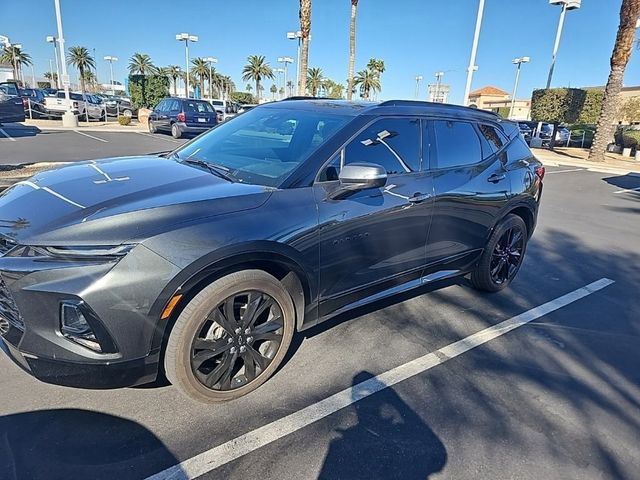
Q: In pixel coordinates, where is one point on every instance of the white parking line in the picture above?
(637, 189)
(161, 137)
(247, 443)
(7, 135)
(566, 171)
(91, 136)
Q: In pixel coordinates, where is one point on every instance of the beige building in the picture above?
(496, 100)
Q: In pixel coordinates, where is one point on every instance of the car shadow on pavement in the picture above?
(387, 440)
(74, 443)
(624, 182)
(15, 130)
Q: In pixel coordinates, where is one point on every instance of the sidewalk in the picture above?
(110, 126)
(577, 157)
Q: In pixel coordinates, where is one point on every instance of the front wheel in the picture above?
(231, 337)
(502, 256)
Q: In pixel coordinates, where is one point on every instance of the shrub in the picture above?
(242, 97)
(631, 139)
(147, 90)
(122, 120)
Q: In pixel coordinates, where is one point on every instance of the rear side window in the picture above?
(457, 144)
(518, 150)
(198, 107)
(393, 143)
(492, 139)
(9, 89)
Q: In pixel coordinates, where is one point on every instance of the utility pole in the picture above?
(474, 48)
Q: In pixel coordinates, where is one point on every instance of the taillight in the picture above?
(540, 171)
(25, 102)
(181, 117)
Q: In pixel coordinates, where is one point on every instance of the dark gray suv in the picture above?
(204, 263)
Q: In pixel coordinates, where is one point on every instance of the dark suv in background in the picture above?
(182, 115)
(204, 262)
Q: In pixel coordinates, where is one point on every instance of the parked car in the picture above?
(11, 109)
(119, 106)
(33, 102)
(562, 135)
(226, 109)
(209, 259)
(82, 105)
(182, 115)
(525, 131)
(246, 107)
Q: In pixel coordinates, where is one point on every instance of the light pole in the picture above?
(68, 119)
(516, 61)
(286, 61)
(278, 71)
(474, 48)
(566, 5)
(211, 61)
(111, 59)
(33, 78)
(186, 38)
(293, 36)
(54, 40)
(418, 80)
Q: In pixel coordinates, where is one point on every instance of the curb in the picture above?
(93, 129)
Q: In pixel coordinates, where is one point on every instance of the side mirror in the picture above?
(359, 176)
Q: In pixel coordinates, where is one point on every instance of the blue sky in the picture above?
(411, 36)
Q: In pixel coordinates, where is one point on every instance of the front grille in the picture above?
(8, 308)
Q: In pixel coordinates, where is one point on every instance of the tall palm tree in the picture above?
(273, 91)
(200, 70)
(17, 58)
(257, 69)
(352, 47)
(290, 87)
(80, 58)
(248, 88)
(141, 63)
(174, 72)
(52, 77)
(227, 85)
(89, 79)
(368, 82)
(314, 80)
(377, 67)
(629, 12)
(305, 28)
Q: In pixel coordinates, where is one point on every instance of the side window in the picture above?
(518, 150)
(457, 144)
(174, 106)
(393, 143)
(493, 140)
(160, 106)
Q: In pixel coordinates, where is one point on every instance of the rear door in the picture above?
(199, 113)
(11, 107)
(471, 186)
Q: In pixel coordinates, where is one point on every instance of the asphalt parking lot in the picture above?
(417, 389)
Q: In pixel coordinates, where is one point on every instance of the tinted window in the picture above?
(457, 144)
(197, 107)
(393, 143)
(492, 139)
(518, 150)
(9, 89)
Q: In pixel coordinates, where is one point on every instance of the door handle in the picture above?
(496, 177)
(419, 197)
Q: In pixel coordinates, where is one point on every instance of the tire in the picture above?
(196, 319)
(127, 113)
(103, 116)
(500, 254)
(175, 131)
(152, 127)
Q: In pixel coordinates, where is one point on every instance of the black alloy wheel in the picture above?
(507, 255)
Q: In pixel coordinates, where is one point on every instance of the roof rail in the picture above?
(419, 103)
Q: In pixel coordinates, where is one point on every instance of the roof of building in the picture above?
(488, 90)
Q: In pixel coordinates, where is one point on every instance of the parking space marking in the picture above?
(7, 135)
(566, 171)
(158, 136)
(637, 189)
(91, 136)
(222, 454)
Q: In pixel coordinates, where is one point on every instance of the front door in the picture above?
(11, 108)
(374, 239)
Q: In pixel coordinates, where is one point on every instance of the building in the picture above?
(6, 72)
(497, 100)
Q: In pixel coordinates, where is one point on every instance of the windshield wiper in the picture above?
(216, 170)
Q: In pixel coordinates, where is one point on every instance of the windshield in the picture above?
(264, 145)
(192, 106)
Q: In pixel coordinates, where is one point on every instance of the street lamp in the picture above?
(211, 61)
(186, 38)
(474, 48)
(111, 59)
(68, 119)
(517, 61)
(566, 5)
(54, 40)
(293, 36)
(418, 80)
(278, 71)
(286, 61)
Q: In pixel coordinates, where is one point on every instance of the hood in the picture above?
(115, 200)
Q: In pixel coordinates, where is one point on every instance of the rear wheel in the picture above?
(127, 113)
(175, 131)
(502, 255)
(231, 337)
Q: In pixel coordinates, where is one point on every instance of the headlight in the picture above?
(101, 253)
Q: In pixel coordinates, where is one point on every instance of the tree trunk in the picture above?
(258, 90)
(81, 70)
(629, 12)
(352, 47)
(305, 28)
(175, 86)
(201, 86)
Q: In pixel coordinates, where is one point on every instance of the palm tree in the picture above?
(248, 88)
(52, 77)
(368, 81)
(89, 79)
(377, 67)
(305, 28)
(256, 69)
(80, 58)
(227, 85)
(273, 91)
(314, 80)
(629, 12)
(17, 58)
(141, 63)
(290, 87)
(174, 72)
(200, 70)
(352, 47)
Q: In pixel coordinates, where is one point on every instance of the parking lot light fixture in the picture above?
(296, 36)
(186, 38)
(566, 6)
(286, 61)
(111, 59)
(518, 62)
(54, 40)
(418, 80)
(68, 119)
(211, 61)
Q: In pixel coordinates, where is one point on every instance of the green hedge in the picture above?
(147, 90)
(566, 105)
(242, 97)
